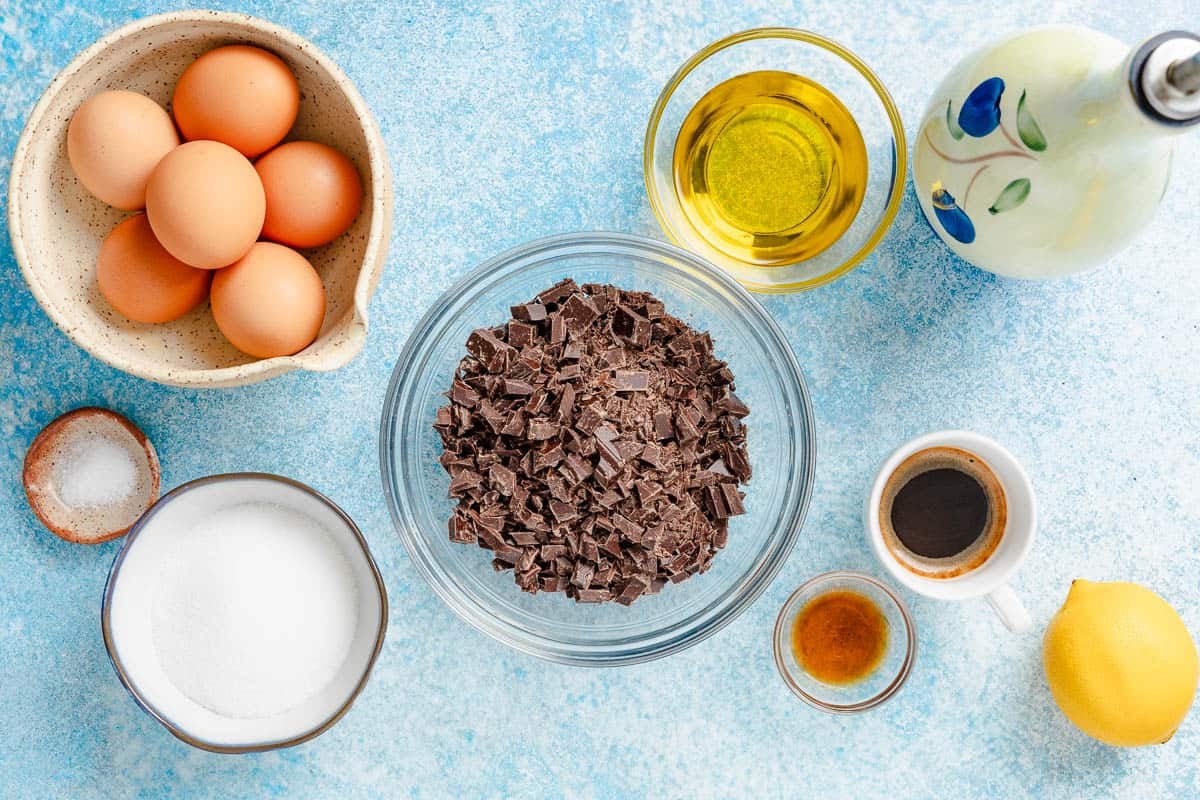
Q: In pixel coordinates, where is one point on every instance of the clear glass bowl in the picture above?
(781, 445)
(820, 60)
(876, 687)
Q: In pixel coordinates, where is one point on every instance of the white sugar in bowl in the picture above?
(244, 612)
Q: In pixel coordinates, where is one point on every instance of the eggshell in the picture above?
(140, 279)
(270, 303)
(114, 141)
(206, 204)
(313, 193)
(240, 95)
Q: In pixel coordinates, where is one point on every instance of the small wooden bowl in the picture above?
(57, 441)
(57, 227)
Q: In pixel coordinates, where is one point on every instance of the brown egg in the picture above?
(313, 193)
(206, 204)
(139, 278)
(240, 95)
(270, 303)
(114, 142)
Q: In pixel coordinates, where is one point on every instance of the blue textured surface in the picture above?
(509, 122)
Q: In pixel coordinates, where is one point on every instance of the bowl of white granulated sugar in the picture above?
(244, 612)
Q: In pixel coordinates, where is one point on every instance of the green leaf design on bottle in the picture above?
(1013, 195)
(952, 122)
(1028, 128)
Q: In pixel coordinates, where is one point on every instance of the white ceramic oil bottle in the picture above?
(1046, 153)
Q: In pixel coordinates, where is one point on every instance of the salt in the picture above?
(93, 471)
(254, 611)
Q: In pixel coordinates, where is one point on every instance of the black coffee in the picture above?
(942, 512)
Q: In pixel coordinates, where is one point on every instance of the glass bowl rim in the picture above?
(900, 164)
(130, 686)
(893, 686)
(634, 649)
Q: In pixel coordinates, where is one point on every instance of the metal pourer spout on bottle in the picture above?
(1165, 78)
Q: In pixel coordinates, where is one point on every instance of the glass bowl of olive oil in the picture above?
(778, 155)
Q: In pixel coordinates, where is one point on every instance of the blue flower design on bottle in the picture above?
(980, 112)
(980, 116)
(953, 219)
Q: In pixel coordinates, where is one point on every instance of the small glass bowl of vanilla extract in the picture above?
(844, 642)
(777, 155)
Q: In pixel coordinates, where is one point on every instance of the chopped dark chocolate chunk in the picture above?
(631, 529)
(718, 468)
(541, 429)
(515, 425)
(558, 329)
(463, 395)
(548, 456)
(648, 490)
(569, 372)
(606, 472)
(593, 445)
(631, 380)
(508, 554)
(685, 429)
(520, 334)
(582, 576)
(516, 387)
(589, 549)
(609, 453)
(502, 479)
(633, 589)
(460, 530)
(578, 467)
(566, 403)
(563, 512)
(663, 429)
(590, 418)
(529, 312)
(465, 479)
(606, 433)
(612, 545)
(730, 404)
(716, 502)
(652, 454)
(631, 326)
(733, 499)
(614, 357)
(735, 458)
(524, 538)
(537, 401)
(484, 345)
(578, 312)
(556, 293)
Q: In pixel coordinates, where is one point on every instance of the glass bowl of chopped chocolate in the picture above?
(597, 448)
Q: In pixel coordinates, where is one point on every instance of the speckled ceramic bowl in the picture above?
(57, 227)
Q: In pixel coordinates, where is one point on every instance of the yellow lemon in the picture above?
(1120, 663)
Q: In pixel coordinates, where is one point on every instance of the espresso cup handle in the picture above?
(1004, 601)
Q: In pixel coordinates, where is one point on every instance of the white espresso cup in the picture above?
(989, 579)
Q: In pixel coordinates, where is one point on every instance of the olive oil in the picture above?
(770, 168)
